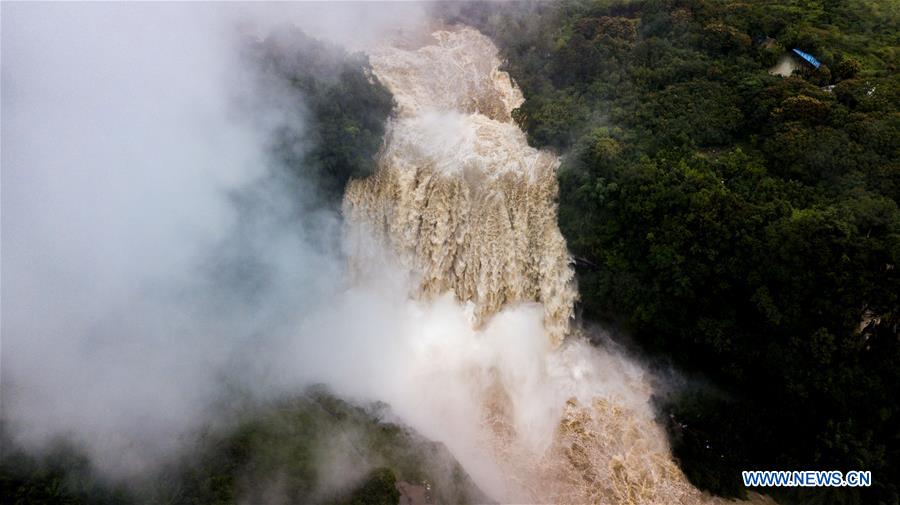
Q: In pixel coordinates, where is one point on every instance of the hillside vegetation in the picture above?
(309, 448)
(332, 109)
(741, 225)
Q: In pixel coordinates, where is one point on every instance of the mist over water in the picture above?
(153, 261)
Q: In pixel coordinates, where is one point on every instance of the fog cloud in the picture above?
(149, 251)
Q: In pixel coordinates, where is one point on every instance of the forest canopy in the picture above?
(336, 109)
(739, 224)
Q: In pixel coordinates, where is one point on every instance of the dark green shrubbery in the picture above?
(279, 452)
(333, 108)
(61, 475)
(742, 225)
(379, 488)
(285, 448)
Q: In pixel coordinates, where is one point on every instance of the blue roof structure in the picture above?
(808, 57)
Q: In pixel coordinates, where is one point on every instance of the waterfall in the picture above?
(463, 204)
(459, 195)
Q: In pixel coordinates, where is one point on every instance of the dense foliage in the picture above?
(330, 109)
(60, 476)
(314, 448)
(311, 449)
(741, 224)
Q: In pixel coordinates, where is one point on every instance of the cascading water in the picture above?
(459, 195)
(468, 208)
